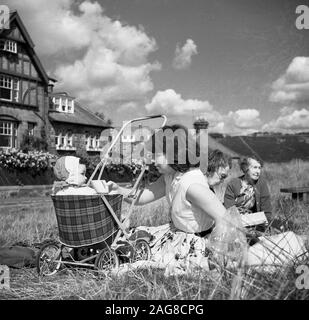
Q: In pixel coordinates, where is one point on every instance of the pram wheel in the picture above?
(45, 261)
(141, 250)
(106, 260)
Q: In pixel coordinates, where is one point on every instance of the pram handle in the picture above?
(104, 159)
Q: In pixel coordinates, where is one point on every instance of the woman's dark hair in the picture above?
(245, 162)
(216, 160)
(178, 145)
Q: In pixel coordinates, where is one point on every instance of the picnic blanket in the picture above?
(174, 251)
(177, 252)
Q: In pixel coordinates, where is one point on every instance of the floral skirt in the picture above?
(175, 251)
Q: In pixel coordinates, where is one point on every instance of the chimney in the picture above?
(200, 124)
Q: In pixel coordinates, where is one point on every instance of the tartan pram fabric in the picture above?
(84, 219)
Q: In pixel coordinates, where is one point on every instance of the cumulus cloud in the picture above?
(290, 120)
(99, 60)
(53, 25)
(183, 56)
(170, 102)
(241, 121)
(245, 118)
(293, 85)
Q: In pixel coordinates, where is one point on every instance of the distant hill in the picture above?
(269, 147)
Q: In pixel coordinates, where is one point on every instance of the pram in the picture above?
(90, 226)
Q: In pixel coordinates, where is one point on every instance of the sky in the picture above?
(242, 65)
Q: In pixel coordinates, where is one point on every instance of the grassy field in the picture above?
(33, 225)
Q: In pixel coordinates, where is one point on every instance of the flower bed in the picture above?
(35, 167)
(35, 161)
(31, 168)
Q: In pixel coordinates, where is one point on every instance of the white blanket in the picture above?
(277, 250)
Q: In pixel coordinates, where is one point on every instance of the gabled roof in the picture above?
(81, 116)
(14, 16)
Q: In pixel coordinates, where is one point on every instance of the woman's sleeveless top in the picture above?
(185, 216)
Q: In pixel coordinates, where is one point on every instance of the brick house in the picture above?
(75, 128)
(24, 86)
(28, 105)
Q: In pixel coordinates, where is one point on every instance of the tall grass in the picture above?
(31, 225)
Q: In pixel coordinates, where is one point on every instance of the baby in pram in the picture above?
(71, 175)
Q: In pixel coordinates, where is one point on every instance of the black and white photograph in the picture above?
(154, 154)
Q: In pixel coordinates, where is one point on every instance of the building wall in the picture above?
(80, 134)
(30, 104)
(23, 117)
(33, 102)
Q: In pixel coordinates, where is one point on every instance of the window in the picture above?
(8, 45)
(70, 106)
(31, 128)
(93, 143)
(57, 102)
(64, 141)
(63, 104)
(97, 142)
(8, 134)
(70, 139)
(9, 88)
(57, 141)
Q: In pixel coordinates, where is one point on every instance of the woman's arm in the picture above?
(151, 193)
(202, 197)
(229, 195)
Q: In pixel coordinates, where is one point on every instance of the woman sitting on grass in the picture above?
(249, 192)
(195, 211)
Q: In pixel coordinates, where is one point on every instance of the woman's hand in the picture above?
(113, 187)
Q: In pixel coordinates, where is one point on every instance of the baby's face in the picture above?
(81, 174)
(82, 169)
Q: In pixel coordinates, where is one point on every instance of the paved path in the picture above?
(25, 202)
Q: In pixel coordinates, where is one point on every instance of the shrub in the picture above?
(35, 161)
(32, 143)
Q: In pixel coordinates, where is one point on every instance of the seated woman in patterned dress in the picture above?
(249, 192)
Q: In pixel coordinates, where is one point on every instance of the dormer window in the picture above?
(64, 104)
(70, 106)
(8, 45)
(56, 102)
